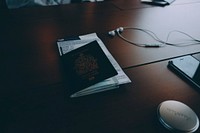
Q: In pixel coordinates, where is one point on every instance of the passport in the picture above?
(86, 66)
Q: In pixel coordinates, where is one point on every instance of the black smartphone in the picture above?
(187, 67)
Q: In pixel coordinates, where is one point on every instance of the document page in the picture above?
(66, 46)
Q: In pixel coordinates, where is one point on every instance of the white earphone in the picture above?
(118, 30)
(111, 33)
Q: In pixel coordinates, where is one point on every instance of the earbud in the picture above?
(112, 33)
(118, 30)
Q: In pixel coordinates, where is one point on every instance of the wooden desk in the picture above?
(33, 95)
(131, 108)
(67, 20)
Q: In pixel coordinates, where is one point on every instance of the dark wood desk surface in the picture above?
(67, 21)
(131, 108)
(33, 96)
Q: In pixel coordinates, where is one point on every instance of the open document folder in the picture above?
(65, 46)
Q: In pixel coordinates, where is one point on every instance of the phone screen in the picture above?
(187, 66)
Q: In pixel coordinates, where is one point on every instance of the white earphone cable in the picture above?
(119, 30)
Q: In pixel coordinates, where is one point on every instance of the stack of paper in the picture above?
(66, 46)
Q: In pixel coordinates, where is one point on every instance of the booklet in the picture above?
(86, 66)
(113, 75)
